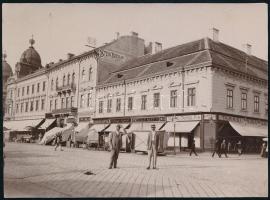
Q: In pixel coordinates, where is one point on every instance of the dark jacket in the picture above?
(149, 140)
(115, 141)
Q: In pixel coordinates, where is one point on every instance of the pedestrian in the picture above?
(152, 147)
(39, 137)
(192, 150)
(223, 149)
(217, 148)
(115, 143)
(239, 148)
(229, 146)
(263, 149)
(58, 141)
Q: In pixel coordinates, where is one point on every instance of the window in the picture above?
(37, 104)
(68, 79)
(82, 101)
(42, 104)
(130, 103)
(89, 100)
(118, 104)
(18, 92)
(67, 102)
(17, 108)
(83, 74)
(191, 97)
(73, 79)
(72, 102)
(56, 83)
(266, 105)
(244, 101)
(64, 80)
(31, 106)
(256, 103)
(52, 84)
(38, 85)
(33, 89)
(44, 86)
(51, 104)
(229, 98)
(26, 107)
(143, 106)
(62, 102)
(100, 107)
(23, 91)
(21, 107)
(55, 103)
(11, 94)
(109, 105)
(156, 100)
(90, 73)
(27, 91)
(173, 100)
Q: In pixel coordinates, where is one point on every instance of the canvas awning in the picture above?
(47, 123)
(181, 127)
(100, 127)
(147, 126)
(22, 124)
(112, 127)
(81, 125)
(249, 130)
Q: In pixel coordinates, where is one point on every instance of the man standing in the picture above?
(217, 148)
(58, 141)
(152, 146)
(192, 150)
(223, 148)
(115, 142)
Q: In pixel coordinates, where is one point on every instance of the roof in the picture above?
(189, 54)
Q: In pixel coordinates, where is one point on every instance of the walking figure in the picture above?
(152, 147)
(58, 142)
(115, 142)
(192, 150)
(223, 149)
(239, 148)
(263, 151)
(217, 148)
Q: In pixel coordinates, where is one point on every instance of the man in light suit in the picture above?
(115, 142)
(152, 146)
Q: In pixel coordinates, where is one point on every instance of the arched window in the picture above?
(73, 78)
(68, 79)
(64, 80)
(56, 83)
(83, 74)
(90, 73)
(52, 84)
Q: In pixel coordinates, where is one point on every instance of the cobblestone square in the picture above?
(32, 170)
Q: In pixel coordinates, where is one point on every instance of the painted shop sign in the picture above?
(241, 120)
(120, 120)
(149, 119)
(184, 118)
(102, 121)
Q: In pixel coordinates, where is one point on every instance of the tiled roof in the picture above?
(192, 53)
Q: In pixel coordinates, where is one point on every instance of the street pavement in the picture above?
(32, 170)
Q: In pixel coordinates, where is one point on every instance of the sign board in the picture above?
(184, 118)
(149, 119)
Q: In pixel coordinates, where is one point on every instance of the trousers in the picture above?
(114, 157)
(152, 153)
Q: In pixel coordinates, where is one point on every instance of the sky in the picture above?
(60, 28)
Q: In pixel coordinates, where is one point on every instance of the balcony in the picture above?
(66, 88)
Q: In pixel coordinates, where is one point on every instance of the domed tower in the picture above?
(30, 61)
(6, 73)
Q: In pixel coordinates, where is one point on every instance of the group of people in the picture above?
(221, 147)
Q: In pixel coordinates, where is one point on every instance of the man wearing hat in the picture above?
(115, 142)
(152, 146)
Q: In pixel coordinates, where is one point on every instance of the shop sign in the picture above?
(149, 119)
(120, 120)
(84, 119)
(101, 121)
(209, 116)
(184, 118)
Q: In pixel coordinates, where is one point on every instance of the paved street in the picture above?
(33, 170)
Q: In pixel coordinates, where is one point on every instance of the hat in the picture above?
(153, 126)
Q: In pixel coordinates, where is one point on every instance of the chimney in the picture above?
(158, 47)
(70, 55)
(215, 34)
(134, 34)
(148, 49)
(248, 49)
(117, 35)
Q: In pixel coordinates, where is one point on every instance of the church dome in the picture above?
(6, 69)
(31, 56)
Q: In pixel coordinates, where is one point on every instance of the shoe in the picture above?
(148, 168)
(155, 168)
(114, 167)
(110, 168)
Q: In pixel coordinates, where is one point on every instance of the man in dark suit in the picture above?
(115, 142)
(192, 150)
(217, 148)
(152, 146)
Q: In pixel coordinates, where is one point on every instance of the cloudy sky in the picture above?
(62, 28)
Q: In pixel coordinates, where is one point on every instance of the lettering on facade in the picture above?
(241, 120)
(149, 119)
(104, 53)
(184, 118)
(101, 121)
(122, 120)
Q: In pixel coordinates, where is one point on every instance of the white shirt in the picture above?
(153, 135)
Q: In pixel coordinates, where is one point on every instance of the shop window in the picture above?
(173, 99)
(244, 101)
(156, 100)
(229, 98)
(130, 103)
(100, 107)
(118, 104)
(191, 97)
(143, 105)
(256, 103)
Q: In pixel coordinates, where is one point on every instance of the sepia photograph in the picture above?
(135, 100)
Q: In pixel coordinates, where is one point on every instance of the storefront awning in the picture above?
(112, 127)
(21, 125)
(47, 123)
(81, 125)
(249, 130)
(181, 127)
(100, 127)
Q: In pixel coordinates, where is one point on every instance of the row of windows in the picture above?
(65, 82)
(82, 102)
(244, 101)
(66, 102)
(30, 106)
(156, 101)
(21, 91)
(90, 72)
